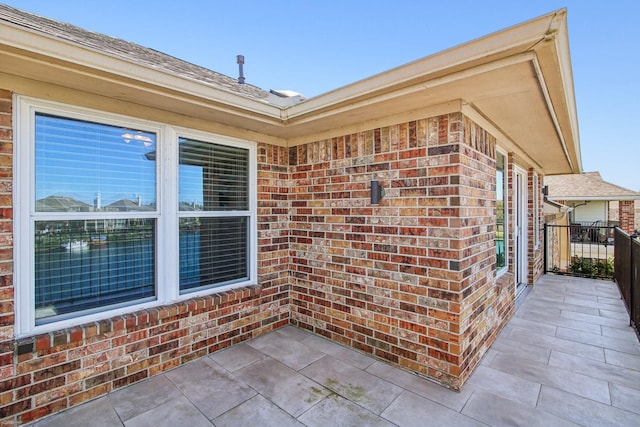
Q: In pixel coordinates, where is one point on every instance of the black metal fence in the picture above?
(580, 249)
(627, 264)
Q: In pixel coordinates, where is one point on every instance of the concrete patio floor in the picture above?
(568, 357)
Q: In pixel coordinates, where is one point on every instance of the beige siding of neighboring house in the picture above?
(594, 210)
(559, 241)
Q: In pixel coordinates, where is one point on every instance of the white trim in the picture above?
(554, 117)
(253, 196)
(166, 214)
(21, 185)
(520, 200)
(70, 57)
(505, 204)
(168, 178)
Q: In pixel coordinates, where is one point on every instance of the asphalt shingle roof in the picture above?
(128, 51)
(586, 186)
(60, 204)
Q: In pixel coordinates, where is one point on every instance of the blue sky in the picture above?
(314, 47)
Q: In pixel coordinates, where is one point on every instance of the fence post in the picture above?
(632, 267)
(546, 238)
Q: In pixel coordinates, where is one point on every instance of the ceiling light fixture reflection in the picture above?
(128, 137)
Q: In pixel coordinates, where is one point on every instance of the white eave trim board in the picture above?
(28, 40)
(552, 114)
(502, 138)
(293, 115)
(523, 36)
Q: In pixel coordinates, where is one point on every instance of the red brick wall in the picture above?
(486, 306)
(626, 215)
(535, 248)
(46, 373)
(409, 280)
(6, 241)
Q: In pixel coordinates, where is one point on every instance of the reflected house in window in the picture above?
(62, 204)
(128, 205)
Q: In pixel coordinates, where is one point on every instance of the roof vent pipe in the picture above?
(240, 60)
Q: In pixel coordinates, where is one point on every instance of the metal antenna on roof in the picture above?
(240, 60)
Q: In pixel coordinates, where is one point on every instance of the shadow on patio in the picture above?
(567, 357)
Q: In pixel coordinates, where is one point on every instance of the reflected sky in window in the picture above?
(93, 163)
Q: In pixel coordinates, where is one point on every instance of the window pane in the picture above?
(213, 251)
(86, 264)
(213, 177)
(83, 167)
(500, 211)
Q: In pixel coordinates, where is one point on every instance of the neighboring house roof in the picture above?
(127, 205)
(586, 186)
(61, 204)
(184, 206)
(517, 84)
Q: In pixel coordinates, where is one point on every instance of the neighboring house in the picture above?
(593, 200)
(61, 204)
(126, 205)
(267, 216)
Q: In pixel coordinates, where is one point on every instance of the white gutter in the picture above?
(552, 113)
(30, 40)
(522, 36)
(290, 115)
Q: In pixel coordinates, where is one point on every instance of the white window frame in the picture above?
(505, 206)
(166, 215)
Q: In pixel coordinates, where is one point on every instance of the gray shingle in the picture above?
(128, 51)
(588, 185)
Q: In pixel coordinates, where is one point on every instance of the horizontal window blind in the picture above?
(88, 264)
(213, 177)
(79, 267)
(84, 166)
(213, 251)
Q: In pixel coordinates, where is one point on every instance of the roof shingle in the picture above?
(128, 51)
(586, 186)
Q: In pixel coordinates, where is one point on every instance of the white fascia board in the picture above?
(561, 40)
(503, 139)
(554, 117)
(523, 36)
(84, 56)
(439, 81)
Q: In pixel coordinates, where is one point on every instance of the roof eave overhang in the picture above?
(81, 60)
(540, 45)
(465, 75)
